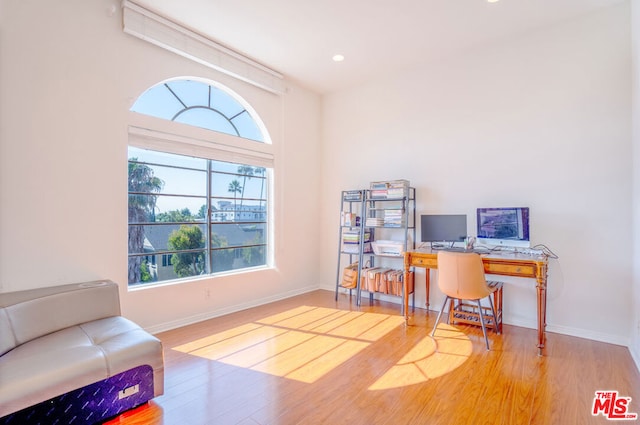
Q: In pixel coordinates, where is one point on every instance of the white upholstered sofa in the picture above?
(67, 354)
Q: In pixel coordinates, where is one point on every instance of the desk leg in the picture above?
(427, 284)
(405, 286)
(541, 288)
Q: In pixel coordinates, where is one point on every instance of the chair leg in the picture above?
(484, 329)
(439, 314)
(495, 318)
(452, 306)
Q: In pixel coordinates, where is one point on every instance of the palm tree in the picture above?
(143, 187)
(247, 172)
(260, 171)
(234, 187)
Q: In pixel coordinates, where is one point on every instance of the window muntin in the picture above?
(171, 236)
(200, 105)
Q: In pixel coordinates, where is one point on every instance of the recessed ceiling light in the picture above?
(338, 58)
(492, 1)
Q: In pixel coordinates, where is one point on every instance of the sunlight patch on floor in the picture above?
(303, 343)
(430, 358)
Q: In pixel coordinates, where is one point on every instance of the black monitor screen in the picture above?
(443, 228)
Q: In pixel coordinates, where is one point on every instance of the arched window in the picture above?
(199, 104)
(194, 209)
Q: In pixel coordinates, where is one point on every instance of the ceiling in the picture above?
(298, 38)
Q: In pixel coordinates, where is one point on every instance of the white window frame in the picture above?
(148, 132)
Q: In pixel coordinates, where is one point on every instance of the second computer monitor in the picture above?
(443, 228)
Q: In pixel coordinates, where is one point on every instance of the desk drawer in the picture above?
(431, 263)
(523, 270)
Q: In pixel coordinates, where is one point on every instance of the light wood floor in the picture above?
(312, 360)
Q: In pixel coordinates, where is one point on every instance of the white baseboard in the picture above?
(635, 356)
(588, 334)
(226, 310)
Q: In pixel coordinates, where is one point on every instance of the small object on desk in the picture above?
(469, 241)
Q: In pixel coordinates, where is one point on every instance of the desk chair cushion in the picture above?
(461, 275)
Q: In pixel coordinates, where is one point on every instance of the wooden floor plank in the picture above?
(312, 360)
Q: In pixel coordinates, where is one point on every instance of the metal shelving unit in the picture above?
(352, 206)
(382, 217)
(390, 218)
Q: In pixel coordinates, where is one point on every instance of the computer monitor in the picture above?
(504, 226)
(443, 227)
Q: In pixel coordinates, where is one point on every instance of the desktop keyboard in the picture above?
(461, 249)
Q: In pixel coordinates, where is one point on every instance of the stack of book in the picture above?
(389, 189)
(352, 195)
(393, 218)
(397, 191)
(351, 242)
(374, 221)
(378, 191)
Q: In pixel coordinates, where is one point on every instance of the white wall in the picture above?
(68, 77)
(635, 114)
(541, 120)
